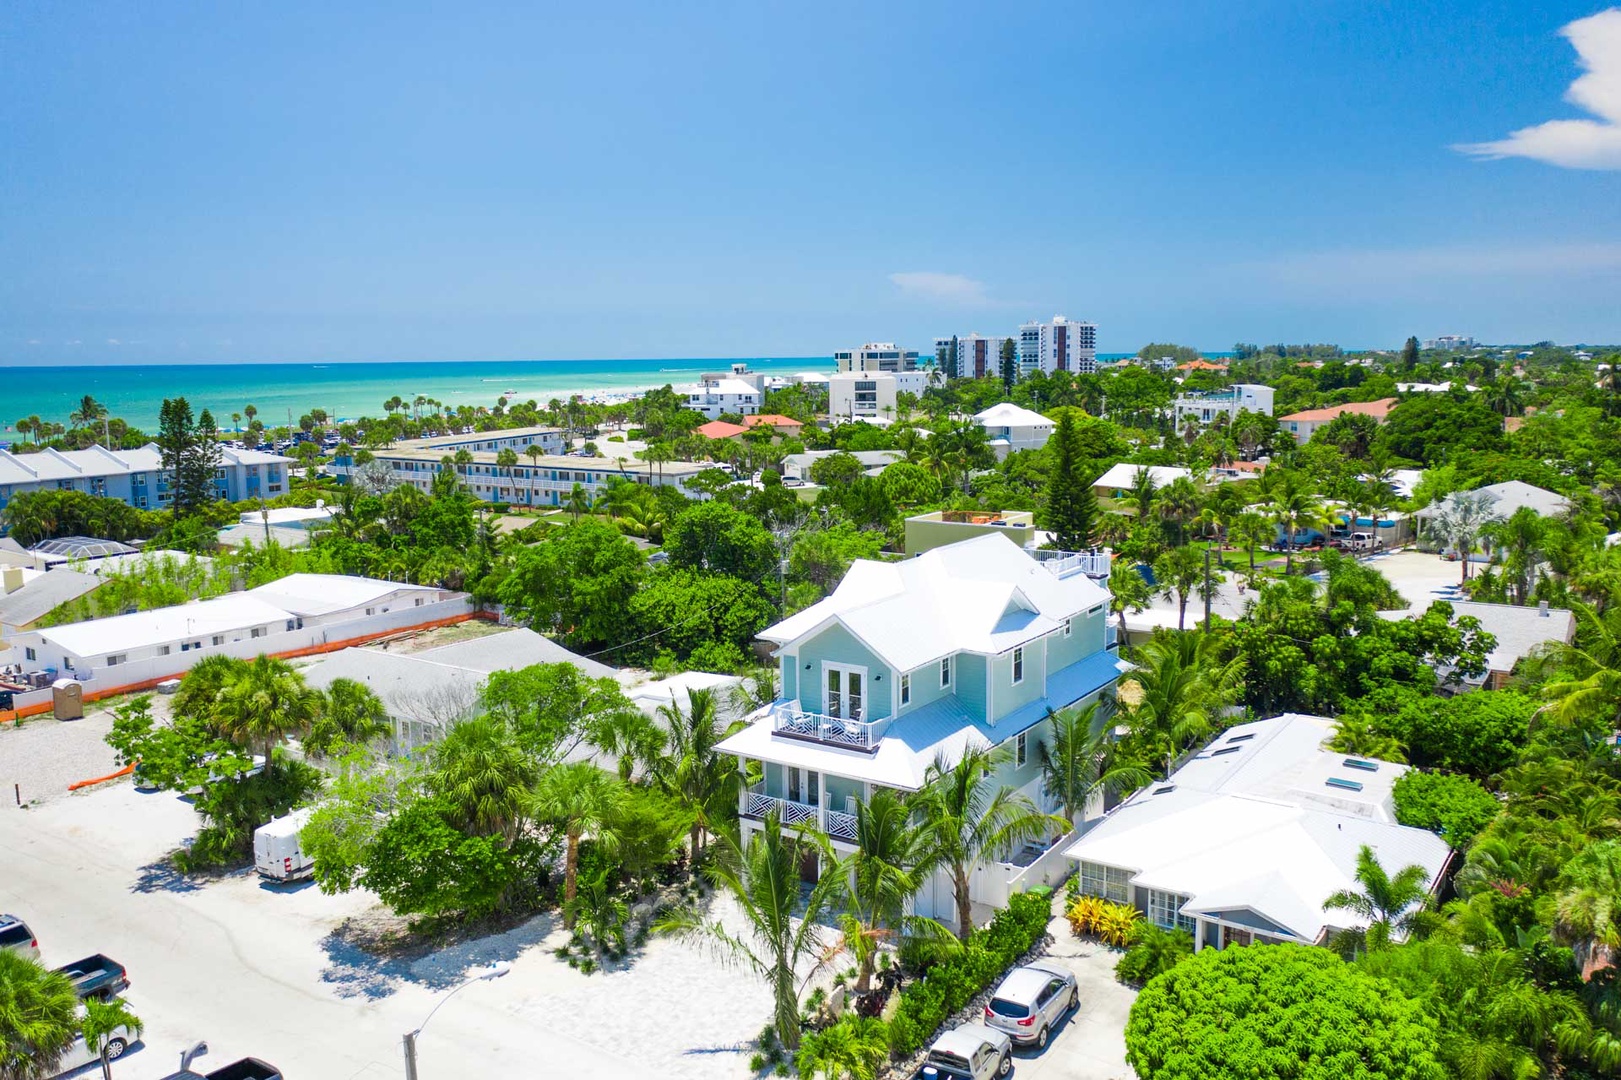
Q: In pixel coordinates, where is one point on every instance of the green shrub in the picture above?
(1454, 806)
(1153, 951)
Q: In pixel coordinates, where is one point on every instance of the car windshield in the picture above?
(14, 934)
(1004, 1007)
(948, 1059)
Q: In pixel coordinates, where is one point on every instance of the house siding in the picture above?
(1008, 696)
(838, 646)
(968, 678)
(790, 676)
(1017, 776)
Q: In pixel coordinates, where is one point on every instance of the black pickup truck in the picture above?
(246, 1069)
(97, 976)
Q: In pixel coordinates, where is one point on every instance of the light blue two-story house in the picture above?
(971, 644)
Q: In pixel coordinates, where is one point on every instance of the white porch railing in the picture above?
(1111, 635)
(840, 825)
(1063, 564)
(788, 812)
(790, 720)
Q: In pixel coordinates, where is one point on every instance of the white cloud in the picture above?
(35, 341)
(942, 288)
(113, 341)
(1577, 144)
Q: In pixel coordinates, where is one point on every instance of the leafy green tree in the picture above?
(836, 470)
(967, 816)
(1070, 509)
(576, 583)
(690, 609)
(103, 1028)
(781, 923)
(908, 485)
(822, 556)
(1010, 364)
(551, 709)
(264, 702)
(349, 713)
(854, 1049)
(1479, 734)
(1153, 951)
(1387, 905)
(38, 1017)
(422, 863)
(1283, 1012)
(578, 798)
(1081, 758)
(1409, 354)
(723, 539)
(1434, 428)
(1455, 806)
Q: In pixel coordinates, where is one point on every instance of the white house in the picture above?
(1212, 405)
(723, 395)
(1118, 481)
(1246, 841)
(858, 395)
(137, 477)
(876, 356)
(1012, 428)
(971, 644)
(294, 613)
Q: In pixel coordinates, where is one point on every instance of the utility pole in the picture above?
(1207, 593)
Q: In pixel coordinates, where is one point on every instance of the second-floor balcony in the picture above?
(1063, 564)
(790, 721)
(837, 824)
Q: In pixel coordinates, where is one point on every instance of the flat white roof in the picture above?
(160, 626)
(320, 594)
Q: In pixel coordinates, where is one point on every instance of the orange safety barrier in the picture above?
(310, 650)
(77, 784)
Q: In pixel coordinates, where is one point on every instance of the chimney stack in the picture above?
(1542, 608)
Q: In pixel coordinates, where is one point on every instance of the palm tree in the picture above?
(1178, 572)
(631, 738)
(350, 713)
(1181, 690)
(1142, 492)
(103, 1026)
(89, 410)
(577, 797)
(507, 458)
(250, 412)
(1587, 902)
(1295, 507)
(1359, 735)
(579, 501)
(693, 771)
(884, 873)
(1588, 678)
(1459, 522)
(1080, 760)
(1128, 591)
(1249, 530)
(854, 1049)
(263, 703)
(24, 425)
(1522, 539)
(968, 817)
(38, 1017)
(1506, 396)
(486, 775)
(1177, 503)
(1389, 905)
(781, 925)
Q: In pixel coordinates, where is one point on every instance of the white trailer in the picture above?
(276, 854)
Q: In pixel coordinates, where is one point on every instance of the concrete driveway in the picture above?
(1091, 1044)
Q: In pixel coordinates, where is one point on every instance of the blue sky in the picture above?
(372, 182)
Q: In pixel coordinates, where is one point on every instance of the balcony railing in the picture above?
(789, 720)
(1111, 636)
(1063, 564)
(757, 804)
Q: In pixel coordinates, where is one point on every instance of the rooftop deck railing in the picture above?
(1063, 564)
(790, 721)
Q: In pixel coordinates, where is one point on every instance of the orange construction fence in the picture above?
(125, 771)
(309, 650)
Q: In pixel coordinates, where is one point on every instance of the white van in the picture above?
(276, 854)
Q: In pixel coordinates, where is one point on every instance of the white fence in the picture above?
(993, 882)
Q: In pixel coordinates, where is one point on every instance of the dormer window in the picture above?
(945, 672)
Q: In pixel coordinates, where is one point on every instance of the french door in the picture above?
(846, 692)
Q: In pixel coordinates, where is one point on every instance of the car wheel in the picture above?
(116, 1048)
(1006, 1066)
(1041, 1038)
(1074, 1000)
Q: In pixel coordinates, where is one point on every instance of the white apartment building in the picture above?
(137, 477)
(1060, 345)
(1212, 405)
(549, 439)
(857, 395)
(1450, 342)
(876, 356)
(546, 480)
(978, 356)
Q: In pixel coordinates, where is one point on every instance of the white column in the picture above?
(821, 806)
(743, 788)
(1198, 935)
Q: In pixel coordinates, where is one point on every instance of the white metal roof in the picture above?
(320, 594)
(1259, 831)
(43, 593)
(1510, 496)
(1124, 475)
(1008, 414)
(1518, 630)
(982, 595)
(143, 629)
(49, 464)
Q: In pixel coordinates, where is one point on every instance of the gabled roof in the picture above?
(43, 594)
(1124, 474)
(1510, 496)
(771, 420)
(982, 595)
(1008, 414)
(1518, 630)
(321, 594)
(1379, 410)
(1253, 832)
(49, 464)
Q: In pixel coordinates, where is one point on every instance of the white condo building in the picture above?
(137, 477)
(1060, 345)
(858, 395)
(1216, 404)
(978, 356)
(876, 356)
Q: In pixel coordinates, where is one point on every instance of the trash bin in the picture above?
(67, 699)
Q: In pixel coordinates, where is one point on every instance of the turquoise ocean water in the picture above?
(343, 390)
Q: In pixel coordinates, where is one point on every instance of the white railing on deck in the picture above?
(788, 719)
(841, 825)
(788, 812)
(1063, 564)
(1111, 635)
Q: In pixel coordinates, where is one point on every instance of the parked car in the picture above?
(97, 976)
(246, 1069)
(276, 854)
(78, 1055)
(15, 935)
(1031, 1001)
(969, 1052)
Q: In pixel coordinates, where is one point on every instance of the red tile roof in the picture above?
(720, 429)
(776, 420)
(1379, 410)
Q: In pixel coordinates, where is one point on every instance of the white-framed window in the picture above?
(906, 689)
(1018, 665)
(1109, 882)
(219, 639)
(1021, 748)
(31, 654)
(1068, 627)
(1164, 910)
(945, 672)
(117, 658)
(163, 650)
(67, 663)
(258, 631)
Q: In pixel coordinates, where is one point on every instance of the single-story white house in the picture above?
(1117, 482)
(1011, 428)
(1247, 840)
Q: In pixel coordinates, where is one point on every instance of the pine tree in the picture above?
(1071, 508)
(203, 458)
(175, 436)
(1409, 354)
(1010, 369)
(956, 358)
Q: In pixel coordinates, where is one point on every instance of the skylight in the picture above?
(1172, 787)
(1240, 738)
(1341, 782)
(1226, 750)
(1358, 763)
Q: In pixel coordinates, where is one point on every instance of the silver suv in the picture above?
(969, 1052)
(1031, 1001)
(15, 935)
